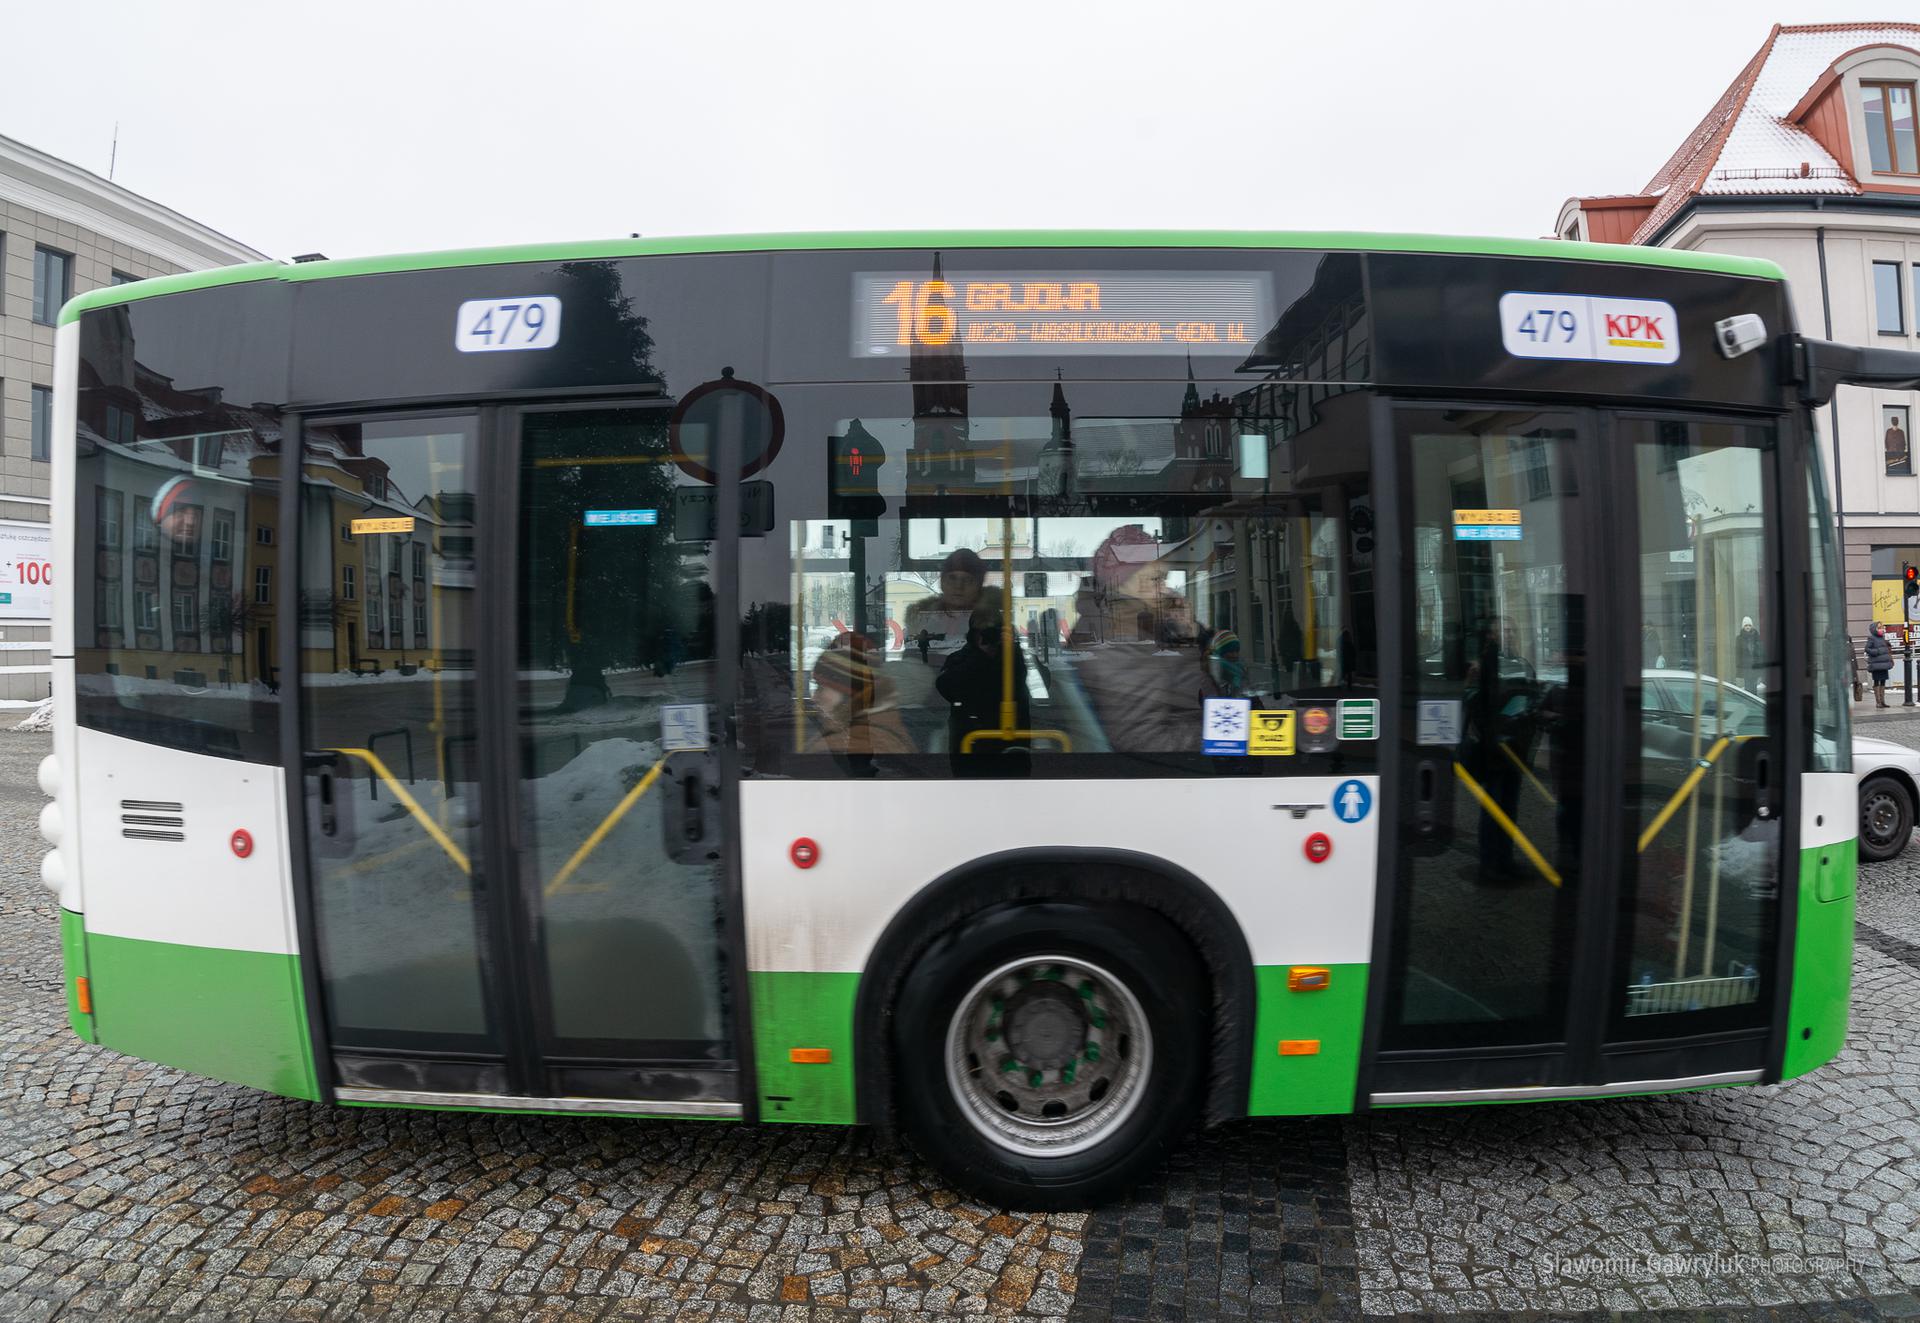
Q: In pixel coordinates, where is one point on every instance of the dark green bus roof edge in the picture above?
(588, 249)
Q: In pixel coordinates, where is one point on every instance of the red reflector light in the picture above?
(804, 853)
(1318, 847)
(242, 842)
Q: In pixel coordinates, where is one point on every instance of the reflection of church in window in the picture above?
(942, 460)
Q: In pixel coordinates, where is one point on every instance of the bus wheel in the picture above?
(1049, 1054)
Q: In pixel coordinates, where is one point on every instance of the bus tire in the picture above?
(1048, 1054)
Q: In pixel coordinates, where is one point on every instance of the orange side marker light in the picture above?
(810, 1056)
(83, 995)
(1299, 1047)
(1308, 978)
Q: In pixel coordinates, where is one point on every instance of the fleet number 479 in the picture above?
(1548, 325)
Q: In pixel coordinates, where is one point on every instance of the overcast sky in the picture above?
(351, 127)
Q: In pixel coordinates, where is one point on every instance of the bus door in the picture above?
(1588, 788)
(515, 810)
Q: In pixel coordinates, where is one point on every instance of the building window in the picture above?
(263, 534)
(1889, 110)
(1897, 434)
(223, 535)
(183, 612)
(42, 428)
(121, 278)
(106, 517)
(347, 588)
(1887, 313)
(107, 604)
(52, 284)
(346, 532)
(146, 609)
(394, 620)
(263, 583)
(119, 425)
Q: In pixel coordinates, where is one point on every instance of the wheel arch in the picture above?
(1189, 905)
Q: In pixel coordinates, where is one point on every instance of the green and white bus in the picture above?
(1041, 691)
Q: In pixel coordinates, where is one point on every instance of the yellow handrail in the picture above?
(1506, 824)
(592, 842)
(412, 805)
(1527, 772)
(972, 737)
(1687, 787)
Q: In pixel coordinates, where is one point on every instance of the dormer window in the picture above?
(1891, 131)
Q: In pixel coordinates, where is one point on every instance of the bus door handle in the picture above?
(332, 806)
(692, 795)
(1426, 795)
(1763, 785)
(1432, 805)
(683, 809)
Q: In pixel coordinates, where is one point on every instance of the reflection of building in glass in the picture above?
(392, 554)
(187, 598)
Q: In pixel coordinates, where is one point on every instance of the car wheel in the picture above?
(1886, 818)
(1048, 1054)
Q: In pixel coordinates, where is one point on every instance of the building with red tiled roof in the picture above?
(1811, 158)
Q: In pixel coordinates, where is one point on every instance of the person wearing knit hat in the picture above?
(176, 508)
(858, 717)
(1224, 665)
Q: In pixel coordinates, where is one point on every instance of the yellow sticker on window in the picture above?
(1271, 734)
(397, 524)
(1486, 516)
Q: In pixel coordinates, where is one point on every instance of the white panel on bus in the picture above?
(1829, 810)
(202, 890)
(881, 842)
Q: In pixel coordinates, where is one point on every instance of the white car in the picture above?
(1888, 773)
(1889, 777)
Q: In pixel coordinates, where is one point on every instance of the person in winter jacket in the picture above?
(1879, 662)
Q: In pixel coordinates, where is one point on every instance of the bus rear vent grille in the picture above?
(151, 820)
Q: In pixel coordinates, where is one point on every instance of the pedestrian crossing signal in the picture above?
(854, 461)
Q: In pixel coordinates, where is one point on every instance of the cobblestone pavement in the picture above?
(128, 1190)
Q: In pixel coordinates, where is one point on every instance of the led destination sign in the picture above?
(1058, 313)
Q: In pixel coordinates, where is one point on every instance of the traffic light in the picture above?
(854, 461)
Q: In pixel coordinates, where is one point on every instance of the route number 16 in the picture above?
(919, 319)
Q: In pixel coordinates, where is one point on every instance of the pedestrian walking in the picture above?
(1879, 662)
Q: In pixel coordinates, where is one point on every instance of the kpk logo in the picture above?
(1635, 330)
(1589, 327)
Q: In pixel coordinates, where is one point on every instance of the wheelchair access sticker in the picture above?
(1352, 801)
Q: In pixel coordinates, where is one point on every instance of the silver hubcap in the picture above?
(1048, 1055)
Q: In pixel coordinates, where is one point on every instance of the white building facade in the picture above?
(1811, 159)
(63, 230)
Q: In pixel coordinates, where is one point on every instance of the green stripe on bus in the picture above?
(231, 1015)
(590, 250)
(73, 959)
(1822, 958)
(805, 1013)
(1307, 1083)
